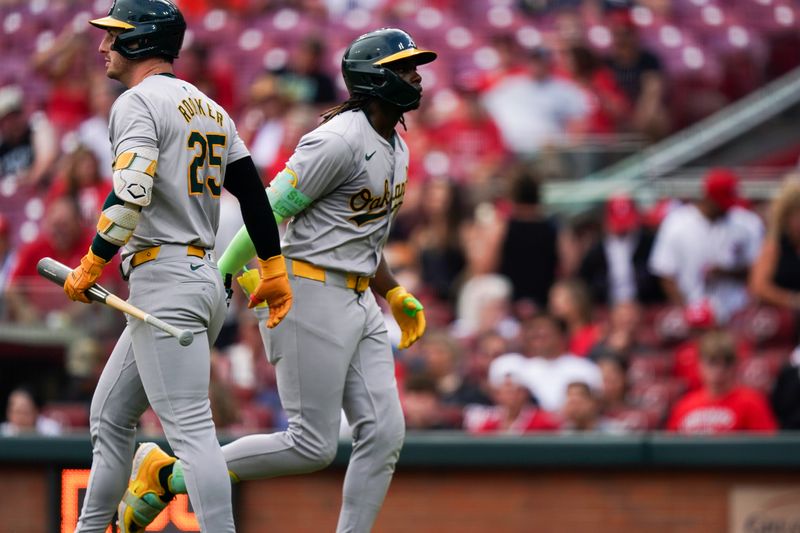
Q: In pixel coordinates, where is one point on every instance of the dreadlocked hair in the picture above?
(355, 102)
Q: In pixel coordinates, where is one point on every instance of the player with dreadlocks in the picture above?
(341, 188)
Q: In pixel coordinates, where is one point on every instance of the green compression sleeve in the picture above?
(239, 252)
(286, 201)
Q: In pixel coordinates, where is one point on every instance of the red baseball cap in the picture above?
(621, 18)
(721, 186)
(621, 214)
(700, 315)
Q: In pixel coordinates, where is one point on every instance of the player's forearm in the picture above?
(384, 280)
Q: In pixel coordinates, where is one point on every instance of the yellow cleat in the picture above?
(145, 497)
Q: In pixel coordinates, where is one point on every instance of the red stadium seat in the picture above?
(69, 415)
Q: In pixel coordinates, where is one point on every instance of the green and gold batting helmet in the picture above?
(150, 28)
(365, 61)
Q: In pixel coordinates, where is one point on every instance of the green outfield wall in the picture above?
(453, 482)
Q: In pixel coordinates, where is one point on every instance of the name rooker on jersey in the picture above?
(376, 207)
(191, 107)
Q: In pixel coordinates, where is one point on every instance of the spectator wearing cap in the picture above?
(704, 249)
(721, 405)
(514, 410)
(28, 146)
(550, 367)
(775, 277)
(536, 109)
(615, 268)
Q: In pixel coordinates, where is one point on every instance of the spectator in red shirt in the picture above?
(571, 302)
(470, 139)
(699, 318)
(65, 238)
(514, 410)
(721, 406)
(81, 178)
(607, 103)
(66, 66)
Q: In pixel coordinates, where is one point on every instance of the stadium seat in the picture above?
(70, 415)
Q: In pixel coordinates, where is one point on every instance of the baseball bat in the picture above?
(58, 272)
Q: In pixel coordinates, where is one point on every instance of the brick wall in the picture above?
(596, 501)
(23, 500)
(458, 500)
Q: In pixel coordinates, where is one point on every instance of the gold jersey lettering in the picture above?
(372, 207)
(192, 107)
(199, 103)
(186, 115)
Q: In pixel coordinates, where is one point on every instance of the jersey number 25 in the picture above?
(201, 174)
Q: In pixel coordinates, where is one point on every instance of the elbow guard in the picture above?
(117, 223)
(134, 171)
(285, 199)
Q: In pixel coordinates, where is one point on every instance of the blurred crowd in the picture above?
(678, 315)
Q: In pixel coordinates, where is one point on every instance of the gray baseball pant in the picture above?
(331, 351)
(147, 365)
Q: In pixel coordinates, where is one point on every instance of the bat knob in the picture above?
(186, 337)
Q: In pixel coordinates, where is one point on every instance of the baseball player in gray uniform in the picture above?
(174, 149)
(341, 188)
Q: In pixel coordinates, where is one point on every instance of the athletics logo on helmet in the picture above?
(150, 28)
(365, 61)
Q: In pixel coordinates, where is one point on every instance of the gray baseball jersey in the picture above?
(185, 205)
(357, 180)
(195, 140)
(332, 351)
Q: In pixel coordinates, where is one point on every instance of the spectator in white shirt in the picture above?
(704, 250)
(550, 368)
(23, 416)
(535, 109)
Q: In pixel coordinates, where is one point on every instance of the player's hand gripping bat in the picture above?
(58, 272)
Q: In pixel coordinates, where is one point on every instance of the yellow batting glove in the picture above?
(408, 312)
(83, 276)
(274, 288)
